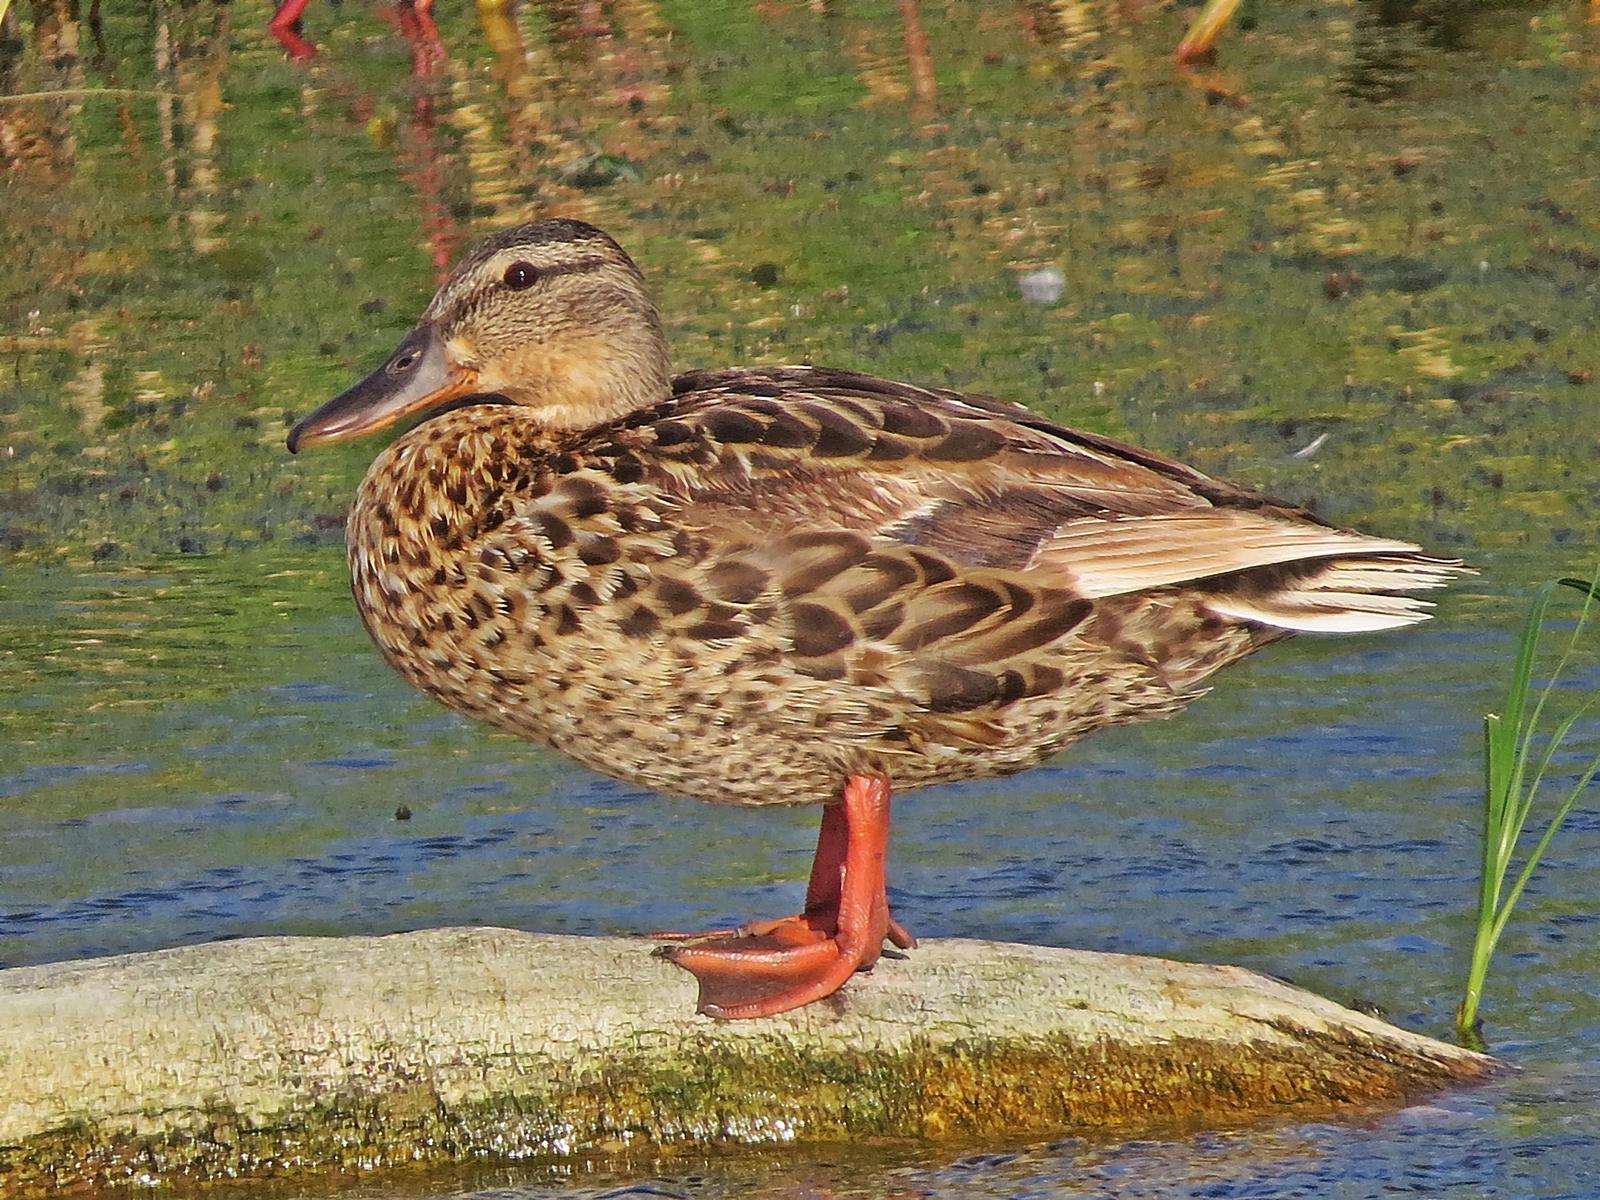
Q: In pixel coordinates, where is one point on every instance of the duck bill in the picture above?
(418, 378)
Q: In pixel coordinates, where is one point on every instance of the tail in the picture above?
(1254, 566)
(1337, 595)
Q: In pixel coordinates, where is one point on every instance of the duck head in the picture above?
(552, 316)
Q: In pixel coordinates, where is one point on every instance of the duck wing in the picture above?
(994, 498)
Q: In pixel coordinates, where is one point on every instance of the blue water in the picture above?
(1314, 817)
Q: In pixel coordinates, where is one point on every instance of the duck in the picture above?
(779, 585)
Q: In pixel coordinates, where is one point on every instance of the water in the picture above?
(1366, 235)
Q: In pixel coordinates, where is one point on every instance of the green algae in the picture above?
(611, 1112)
(1311, 249)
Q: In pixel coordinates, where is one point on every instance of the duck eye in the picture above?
(521, 275)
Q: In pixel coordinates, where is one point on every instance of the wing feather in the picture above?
(764, 456)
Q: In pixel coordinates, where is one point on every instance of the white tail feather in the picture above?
(1256, 566)
(1336, 598)
(1383, 575)
(1113, 558)
(1312, 619)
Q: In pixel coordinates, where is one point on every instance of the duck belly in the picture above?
(733, 720)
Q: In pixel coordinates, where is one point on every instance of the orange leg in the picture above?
(770, 967)
(822, 894)
(821, 915)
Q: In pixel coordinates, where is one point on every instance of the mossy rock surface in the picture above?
(270, 1056)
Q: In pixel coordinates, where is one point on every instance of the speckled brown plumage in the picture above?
(792, 585)
(779, 577)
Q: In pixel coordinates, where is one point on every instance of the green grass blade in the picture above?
(1537, 853)
(1518, 799)
(1508, 739)
(1553, 744)
(1510, 793)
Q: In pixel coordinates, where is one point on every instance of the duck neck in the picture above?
(439, 487)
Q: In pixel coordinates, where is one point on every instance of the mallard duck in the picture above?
(792, 585)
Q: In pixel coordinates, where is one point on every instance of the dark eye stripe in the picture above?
(573, 266)
(452, 308)
(521, 274)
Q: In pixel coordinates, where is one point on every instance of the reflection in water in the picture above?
(197, 741)
(506, 136)
(287, 24)
(422, 163)
(42, 136)
(189, 118)
(919, 63)
(417, 150)
(1383, 59)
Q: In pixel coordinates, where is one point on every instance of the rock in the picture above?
(271, 1055)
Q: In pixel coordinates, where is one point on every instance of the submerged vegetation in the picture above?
(1514, 746)
(1296, 254)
